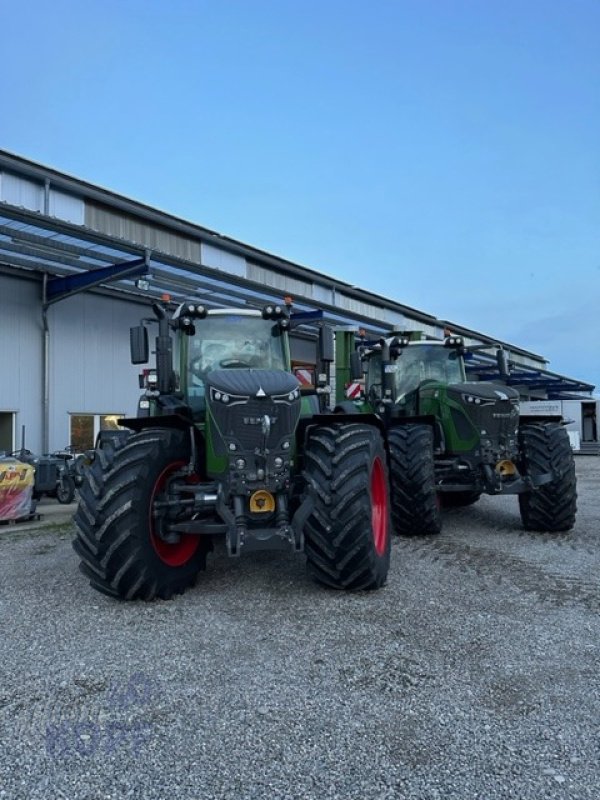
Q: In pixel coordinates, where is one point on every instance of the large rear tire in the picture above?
(415, 501)
(117, 536)
(545, 447)
(347, 535)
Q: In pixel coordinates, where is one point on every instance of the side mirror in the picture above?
(138, 344)
(502, 362)
(356, 367)
(326, 344)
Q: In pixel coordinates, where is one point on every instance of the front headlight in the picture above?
(228, 399)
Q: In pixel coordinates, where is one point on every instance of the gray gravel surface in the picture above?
(473, 674)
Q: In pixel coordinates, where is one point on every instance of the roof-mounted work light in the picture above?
(274, 312)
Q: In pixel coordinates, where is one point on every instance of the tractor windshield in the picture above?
(427, 362)
(231, 341)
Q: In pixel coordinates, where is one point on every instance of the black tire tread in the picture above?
(338, 534)
(415, 510)
(552, 507)
(111, 519)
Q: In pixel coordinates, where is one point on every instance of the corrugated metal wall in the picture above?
(21, 356)
(32, 195)
(90, 369)
(124, 226)
(21, 192)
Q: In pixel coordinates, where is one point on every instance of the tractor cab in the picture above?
(228, 340)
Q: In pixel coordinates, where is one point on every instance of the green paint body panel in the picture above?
(215, 465)
(434, 400)
(307, 408)
(344, 345)
(363, 407)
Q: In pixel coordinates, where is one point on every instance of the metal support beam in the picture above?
(297, 316)
(60, 288)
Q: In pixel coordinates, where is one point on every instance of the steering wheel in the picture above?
(234, 362)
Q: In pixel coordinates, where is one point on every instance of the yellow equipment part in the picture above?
(506, 468)
(261, 502)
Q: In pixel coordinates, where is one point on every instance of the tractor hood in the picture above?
(252, 383)
(484, 392)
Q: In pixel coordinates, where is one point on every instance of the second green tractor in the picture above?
(450, 440)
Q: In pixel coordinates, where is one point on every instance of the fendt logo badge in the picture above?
(266, 421)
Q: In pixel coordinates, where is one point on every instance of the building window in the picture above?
(85, 428)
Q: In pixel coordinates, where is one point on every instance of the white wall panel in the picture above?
(67, 207)
(220, 259)
(89, 360)
(21, 192)
(323, 294)
(21, 356)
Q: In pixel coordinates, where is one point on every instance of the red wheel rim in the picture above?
(178, 553)
(379, 507)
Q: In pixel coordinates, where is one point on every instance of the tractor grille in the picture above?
(46, 475)
(489, 416)
(242, 423)
(498, 419)
(252, 396)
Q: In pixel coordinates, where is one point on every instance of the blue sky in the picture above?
(445, 153)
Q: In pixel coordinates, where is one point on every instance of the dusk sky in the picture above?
(444, 154)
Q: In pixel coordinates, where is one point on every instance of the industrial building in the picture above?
(80, 264)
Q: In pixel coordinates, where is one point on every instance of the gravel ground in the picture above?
(473, 674)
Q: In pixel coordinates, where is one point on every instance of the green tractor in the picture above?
(227, 443)
(451, 440)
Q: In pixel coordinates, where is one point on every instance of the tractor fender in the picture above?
(528, 419)
(163, 421)
(339, 418)
(420, 419)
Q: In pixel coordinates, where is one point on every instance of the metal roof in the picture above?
(484, 367)
(36, 237)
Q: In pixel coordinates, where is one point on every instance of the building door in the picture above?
(589, 425)
(7, 431)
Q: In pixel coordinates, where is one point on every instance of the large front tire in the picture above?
(117, 536)
(545, 448)
(347, 535)
(415, 501)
